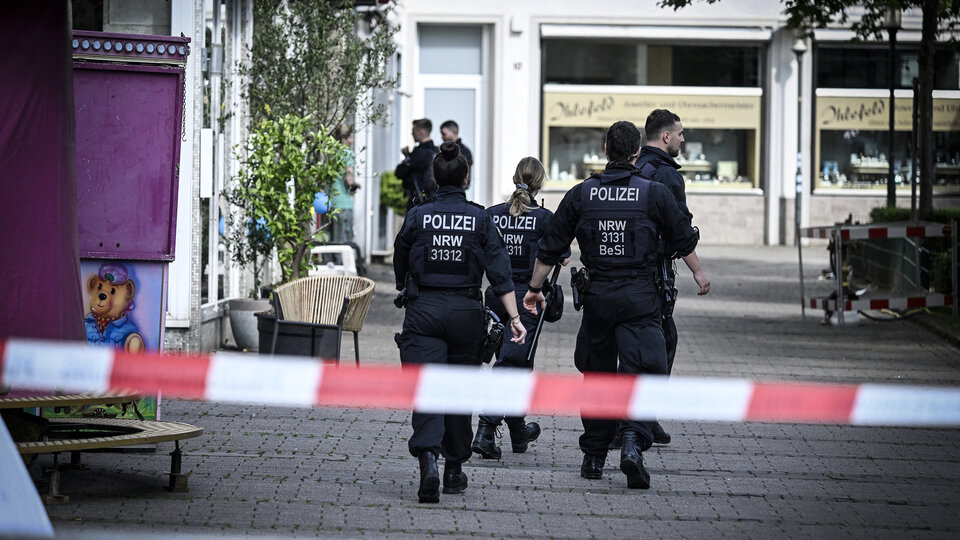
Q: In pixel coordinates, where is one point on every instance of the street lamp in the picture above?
(799, 47)
(891, 21)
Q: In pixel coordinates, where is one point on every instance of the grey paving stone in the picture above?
(346, 473)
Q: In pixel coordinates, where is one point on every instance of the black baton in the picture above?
(536, 333)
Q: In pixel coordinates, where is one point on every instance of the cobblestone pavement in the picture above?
(346, 473)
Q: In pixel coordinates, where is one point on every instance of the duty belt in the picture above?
(472, 293)
(596, 275)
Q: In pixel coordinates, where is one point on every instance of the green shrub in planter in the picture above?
(882, 214)
(391, 193)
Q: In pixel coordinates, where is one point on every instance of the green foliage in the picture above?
(391, 193)
(284, 163)
(806, 15)
(883, 214)
(308, 59)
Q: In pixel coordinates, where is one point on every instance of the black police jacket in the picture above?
(520, 235)
(448, 242)
(657, 165)
(659, 207)
(415, 170)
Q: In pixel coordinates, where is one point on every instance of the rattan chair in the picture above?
(323, 302)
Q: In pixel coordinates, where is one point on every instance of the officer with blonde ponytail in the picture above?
(521, 222)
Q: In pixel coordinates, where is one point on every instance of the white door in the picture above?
(450, 85)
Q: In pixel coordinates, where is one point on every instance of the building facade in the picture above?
(546, 78)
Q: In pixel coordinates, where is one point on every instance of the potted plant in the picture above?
(251, 245)
(306, 71)
(284, 163)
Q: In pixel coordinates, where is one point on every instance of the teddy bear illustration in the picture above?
(111, 299)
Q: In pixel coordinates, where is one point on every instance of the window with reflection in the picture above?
(851, 117)
(715, 89)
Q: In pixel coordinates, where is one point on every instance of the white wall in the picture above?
(515, 49)
(183, 294)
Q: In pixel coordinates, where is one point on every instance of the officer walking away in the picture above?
(664, 133)
(414, 171)
(617, 217)
(440, 255)
(450, 132)
(521, 222)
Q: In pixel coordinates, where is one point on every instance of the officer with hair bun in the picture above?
(440, 255)
(616, 217)
(521, 222)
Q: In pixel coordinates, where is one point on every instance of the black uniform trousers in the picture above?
(510, 354)
(620, 319)
(441, 328)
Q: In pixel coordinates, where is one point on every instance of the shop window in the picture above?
(852, 134)
(716, 66)
(947, 75)
(717, 157)
(721, 132)
(717, 94)
(867, 67)
(605, 62)
(853, 140)
(575, 152)
(634, 63)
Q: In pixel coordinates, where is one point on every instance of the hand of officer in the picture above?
(519, 332)
(531, 299)
(703, 281)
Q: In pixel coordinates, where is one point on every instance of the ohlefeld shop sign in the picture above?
(873, 114)
(586, 109)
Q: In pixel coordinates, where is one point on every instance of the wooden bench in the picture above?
(77, 435)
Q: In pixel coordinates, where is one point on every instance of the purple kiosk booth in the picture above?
(128, 100)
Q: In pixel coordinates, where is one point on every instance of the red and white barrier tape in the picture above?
(905, 302)
(864, 232)
(300, 382)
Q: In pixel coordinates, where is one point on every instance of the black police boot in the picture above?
(484, 442)
(429, 491)
(615, 443)
(454, 479)
(631, 462)
(659, 435)
(592, 467)
(523, 434)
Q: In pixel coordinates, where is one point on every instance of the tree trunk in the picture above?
(926, 146)
(297, 260)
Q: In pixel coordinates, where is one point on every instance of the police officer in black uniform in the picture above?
(521, 222)
(664, 133)
(442, 250)
(414, 171)
(617, 217)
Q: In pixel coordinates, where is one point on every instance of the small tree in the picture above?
(309, 69)
(308, 59)
(284, 163)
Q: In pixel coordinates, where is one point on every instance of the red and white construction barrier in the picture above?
(299, 382)
(864, 232)
(904, 302)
